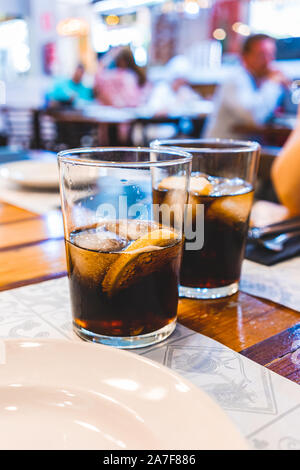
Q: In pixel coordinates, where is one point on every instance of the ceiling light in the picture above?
(219, 34)
(106, 6)
(191, 7)
(112, 20)
(72, 27)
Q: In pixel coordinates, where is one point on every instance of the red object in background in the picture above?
(225, 13)
(49, 54)
(47, 21)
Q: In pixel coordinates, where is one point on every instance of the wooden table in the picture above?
(275, 133)
(70, 124)
(32, 250)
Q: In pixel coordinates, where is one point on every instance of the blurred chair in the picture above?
(19, 126)
(264, 189)
(206, 56)
(45, 131)
(56, 131)
(39, 129)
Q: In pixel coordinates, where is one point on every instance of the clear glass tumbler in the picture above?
(220, 199)
(123, 257)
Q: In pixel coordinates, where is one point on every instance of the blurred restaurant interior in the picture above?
(123, 73)
(182, 51)
(185, 49)
(57, 59)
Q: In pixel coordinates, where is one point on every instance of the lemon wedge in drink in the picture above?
(139, 259)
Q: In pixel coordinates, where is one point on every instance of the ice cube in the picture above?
(130, 229)
(91, 253)
(233, 209)
(99, 239)
(174, 187)
(135, 229)
(198, 184)
(173, 182)
(226, 186)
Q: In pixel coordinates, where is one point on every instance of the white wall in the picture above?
(39, 35)
(14, 7)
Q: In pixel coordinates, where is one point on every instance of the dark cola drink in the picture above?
(225, 204)
(123, 278)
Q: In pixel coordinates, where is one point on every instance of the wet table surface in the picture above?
(32, 250)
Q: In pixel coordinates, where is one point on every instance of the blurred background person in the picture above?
(175, 94)
(172, 96)
(119, 81)
(251, 95)
(70, 91)
(286, 171)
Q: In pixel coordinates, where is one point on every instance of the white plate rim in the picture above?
(16, 173)
(232, 437)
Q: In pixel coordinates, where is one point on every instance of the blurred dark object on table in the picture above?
(274, 133)
(261, 255)
(3, 140)
(264, 189)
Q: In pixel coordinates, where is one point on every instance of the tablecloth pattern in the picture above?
(263, 405)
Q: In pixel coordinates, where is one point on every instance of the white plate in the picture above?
(32, 174)
(43, 174)
(56, 394)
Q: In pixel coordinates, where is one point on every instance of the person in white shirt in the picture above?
(172, 96)
(251, 95)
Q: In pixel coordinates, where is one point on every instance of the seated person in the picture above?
(252, 94)
(119, 81)
(70, 92)
(173, 97)
(286, 171)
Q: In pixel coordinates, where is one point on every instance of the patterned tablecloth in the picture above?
(279, 283)
(263, 405)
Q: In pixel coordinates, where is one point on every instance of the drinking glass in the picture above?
(123, 265)
(220, 199)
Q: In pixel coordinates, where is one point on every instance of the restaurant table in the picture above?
(31, 251)
(95, 115)
(274, 133)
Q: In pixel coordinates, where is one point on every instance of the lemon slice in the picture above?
(157, 238)
(138, 259)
